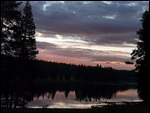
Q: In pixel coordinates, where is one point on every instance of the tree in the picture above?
(142, 57)
(28, 42)
(10, 16)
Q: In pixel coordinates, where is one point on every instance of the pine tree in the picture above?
(142, 57)
(10, 16)
(28, 42)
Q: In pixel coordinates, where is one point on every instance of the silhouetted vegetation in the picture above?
(18, 30)
(36, 69)
(10, 29)
(142, 57)
(28, 43)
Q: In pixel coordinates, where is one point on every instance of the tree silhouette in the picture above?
(142, 57)
(10, 16)
(28, 42)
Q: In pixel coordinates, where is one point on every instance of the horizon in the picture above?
(88, 33)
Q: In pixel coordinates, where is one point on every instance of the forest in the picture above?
(15, 68)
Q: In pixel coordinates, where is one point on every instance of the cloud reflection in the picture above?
(60, 101)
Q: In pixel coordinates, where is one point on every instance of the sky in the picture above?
(88, 32)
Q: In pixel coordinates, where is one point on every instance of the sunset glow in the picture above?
(89, 33)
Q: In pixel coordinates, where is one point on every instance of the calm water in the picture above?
(64, 95)
(60, 101)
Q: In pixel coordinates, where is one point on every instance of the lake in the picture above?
(58, 94)
(60, 101)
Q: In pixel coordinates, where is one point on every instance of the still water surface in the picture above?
(60, 101)
(64, 95)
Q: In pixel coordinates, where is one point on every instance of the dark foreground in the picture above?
(113, 108)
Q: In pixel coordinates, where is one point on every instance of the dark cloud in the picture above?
(110, 58)
(97, 23)
(45, 45)
(89, 18)
(77, 17)
(119, 38)
(64, 52)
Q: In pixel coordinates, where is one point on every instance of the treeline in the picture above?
(15, 68)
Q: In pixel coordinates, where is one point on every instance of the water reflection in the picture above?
(60, 101)
(27, 94)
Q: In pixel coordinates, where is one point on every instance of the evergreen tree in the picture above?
(28, 42)
(142, 57)
(10, 16)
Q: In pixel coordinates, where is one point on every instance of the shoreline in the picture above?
(128, 107)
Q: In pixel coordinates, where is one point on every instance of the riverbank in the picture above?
(140, 107)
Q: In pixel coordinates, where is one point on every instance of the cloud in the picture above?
(81, 18)
(80, 30)
(90, 19)
(118, 38)
(91, 55)
(45, 45)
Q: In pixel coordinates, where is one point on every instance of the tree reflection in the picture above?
(17, 94)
